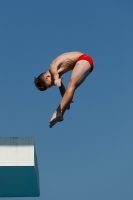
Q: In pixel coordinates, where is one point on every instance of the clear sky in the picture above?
(89, 156)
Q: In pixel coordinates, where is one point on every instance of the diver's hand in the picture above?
(57, 82)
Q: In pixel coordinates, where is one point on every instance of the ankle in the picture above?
(59, 110)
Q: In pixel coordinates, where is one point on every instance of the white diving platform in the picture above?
(19, 175)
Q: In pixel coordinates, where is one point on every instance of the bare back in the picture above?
(65, 62)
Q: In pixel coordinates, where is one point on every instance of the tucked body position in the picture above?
(81, 66)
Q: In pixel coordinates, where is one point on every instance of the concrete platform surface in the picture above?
(19, 174)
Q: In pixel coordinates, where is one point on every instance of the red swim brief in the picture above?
(88, 58)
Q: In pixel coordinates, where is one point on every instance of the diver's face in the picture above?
(48, 82)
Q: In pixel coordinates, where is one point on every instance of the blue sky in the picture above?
(89, 154)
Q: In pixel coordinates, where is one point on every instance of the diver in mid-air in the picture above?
(81, 66)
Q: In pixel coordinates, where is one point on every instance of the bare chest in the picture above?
(66, 66)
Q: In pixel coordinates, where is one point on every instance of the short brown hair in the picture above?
(40, 82)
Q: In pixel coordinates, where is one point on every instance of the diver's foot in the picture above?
(57, 117)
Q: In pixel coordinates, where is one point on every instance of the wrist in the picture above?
(56, 76)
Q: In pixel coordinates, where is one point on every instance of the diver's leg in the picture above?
(79, 73)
